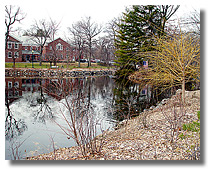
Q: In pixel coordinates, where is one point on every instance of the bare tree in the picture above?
(112, 28)
(105, 48)
(54, 54)
(89, 30)
(12, 16)
(192, 22)
(166, 11)
(78, 39)
(40, 32)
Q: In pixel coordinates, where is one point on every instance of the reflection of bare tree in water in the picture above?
(78, 114)
(13, 127)
(44, 111)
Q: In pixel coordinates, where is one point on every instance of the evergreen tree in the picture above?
(136, 29)
(137, 26)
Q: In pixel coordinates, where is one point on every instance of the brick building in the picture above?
(24, 49)
(14, 50)
(59, 51)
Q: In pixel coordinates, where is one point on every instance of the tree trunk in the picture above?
(183, 91)
(40, 62)
(90, 52)
(79, 59)
(40, 58)
(14, 63)
(54, 62)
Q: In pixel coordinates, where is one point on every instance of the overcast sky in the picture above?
(68, 12)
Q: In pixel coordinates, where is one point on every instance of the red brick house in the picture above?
(59, 51)
(13, 50)
(24, 49)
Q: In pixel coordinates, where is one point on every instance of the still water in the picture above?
(36, 108)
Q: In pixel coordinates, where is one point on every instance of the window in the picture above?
(16, 93)
(144, 62)
(10, 94)
(9, 54)
(16, 45)
(16, 84)
(26, 48)
(67, 48)
(59, 47)
(62, 56)
(31, 48)
(9, 45)
(16, 54)
(143, 91)
(10, 85)
(50, 47)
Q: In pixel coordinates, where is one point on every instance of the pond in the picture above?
(37, 111)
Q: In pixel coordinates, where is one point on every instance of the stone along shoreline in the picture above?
(56, 73)
(153, 135)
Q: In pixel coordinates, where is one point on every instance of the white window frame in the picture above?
(9, 44)
(10, 83)
(16, 84)
(59, 46)
(16, 55)
(16, 45)
(16, 93)
(9, 53)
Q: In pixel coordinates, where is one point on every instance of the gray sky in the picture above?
(68, 12)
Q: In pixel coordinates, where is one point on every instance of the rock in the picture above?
(114, 154)
(164, 101)
(179, 92)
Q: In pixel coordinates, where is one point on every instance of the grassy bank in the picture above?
(46, 65)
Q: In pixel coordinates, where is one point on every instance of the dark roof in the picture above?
(29, 52)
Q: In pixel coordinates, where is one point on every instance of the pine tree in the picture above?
(135, 31)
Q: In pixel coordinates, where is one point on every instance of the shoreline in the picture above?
(145, 137)
(55, 73)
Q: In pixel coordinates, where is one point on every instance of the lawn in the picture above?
(47, 65)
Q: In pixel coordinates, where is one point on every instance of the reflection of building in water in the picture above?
(30, 85)
(58, 88)
(14, 87)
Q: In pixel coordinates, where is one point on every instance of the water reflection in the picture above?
(37, 109)
(130, 99)
(13, 127)
(32, 106)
